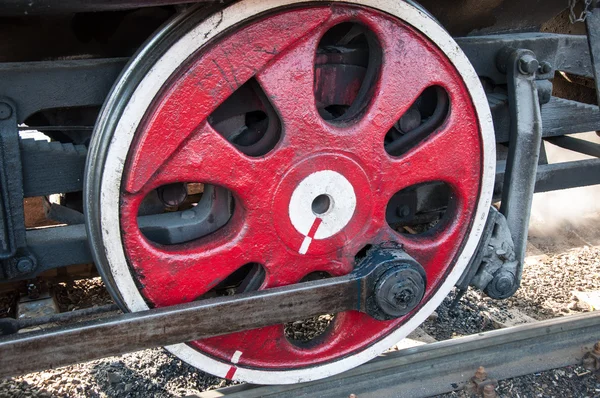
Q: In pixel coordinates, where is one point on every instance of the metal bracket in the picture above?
(523, 155)
(593, 33)
(498, 265)
(494, 266)
(11, 183)
(13, 243)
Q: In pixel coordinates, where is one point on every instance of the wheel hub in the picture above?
(321, 203)
(267, 104)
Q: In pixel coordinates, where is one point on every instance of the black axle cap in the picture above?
(399, 290)
(503, 286)
(398, 285)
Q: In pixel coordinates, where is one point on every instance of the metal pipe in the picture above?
(577, 145)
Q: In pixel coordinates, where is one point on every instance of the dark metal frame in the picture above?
(35, 86)
(87, 82)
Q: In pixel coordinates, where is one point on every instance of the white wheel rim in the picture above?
(143, 96)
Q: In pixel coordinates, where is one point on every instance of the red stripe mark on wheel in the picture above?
(311, 234)
(230, 373)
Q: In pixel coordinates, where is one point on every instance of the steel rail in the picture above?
(446, 366)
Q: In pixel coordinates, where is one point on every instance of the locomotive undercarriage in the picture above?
(62, 99)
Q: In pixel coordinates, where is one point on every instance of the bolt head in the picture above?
(528, 65)
(504, 282)
(403, 211)
(597, 348)
(399, 291)
(489, 391)
(502, 286)
(5, 111)
(172, 195)
(481, 373)
(545, 67)
(589, 363)
(25, 265)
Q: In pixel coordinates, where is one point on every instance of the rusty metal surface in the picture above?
(45, 7)
(467, 17)
(441, 367)
(460, 18)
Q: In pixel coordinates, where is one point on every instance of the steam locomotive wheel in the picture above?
(276, 136)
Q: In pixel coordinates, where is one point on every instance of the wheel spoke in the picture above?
(212, 79)
(450, 155)
(289, 84)
(208, 158)
(181, 273)
(409, 65)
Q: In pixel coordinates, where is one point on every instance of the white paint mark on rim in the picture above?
(236, 357)
(147, 90)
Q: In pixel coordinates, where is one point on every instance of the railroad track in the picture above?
(449, 365)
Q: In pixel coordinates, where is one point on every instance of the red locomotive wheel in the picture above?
(270, 143)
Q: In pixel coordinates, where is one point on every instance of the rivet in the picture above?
(5, 111)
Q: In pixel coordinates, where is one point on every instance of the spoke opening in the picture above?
(420, 209)
(248, 120)
(362, 253)
(182, 212)
(424, 117)
(310, 332)
(346, 70)
(248, 278)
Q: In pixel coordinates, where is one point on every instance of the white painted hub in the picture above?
(342, 203)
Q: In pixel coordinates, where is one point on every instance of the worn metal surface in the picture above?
(577, 145)
(459, 17)
(446, 366)
(12, 325)
(11, 188)
(593, 32)
(566, 175)
(523, 157)
(273, 224)
(186, 322)
(498, 263)
(8, 158)
(58, 246)
(51, 167)
(556, 176)
(34, 86)
(561, 116)
(568, 53)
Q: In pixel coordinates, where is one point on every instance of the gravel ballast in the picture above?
(546, 292)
